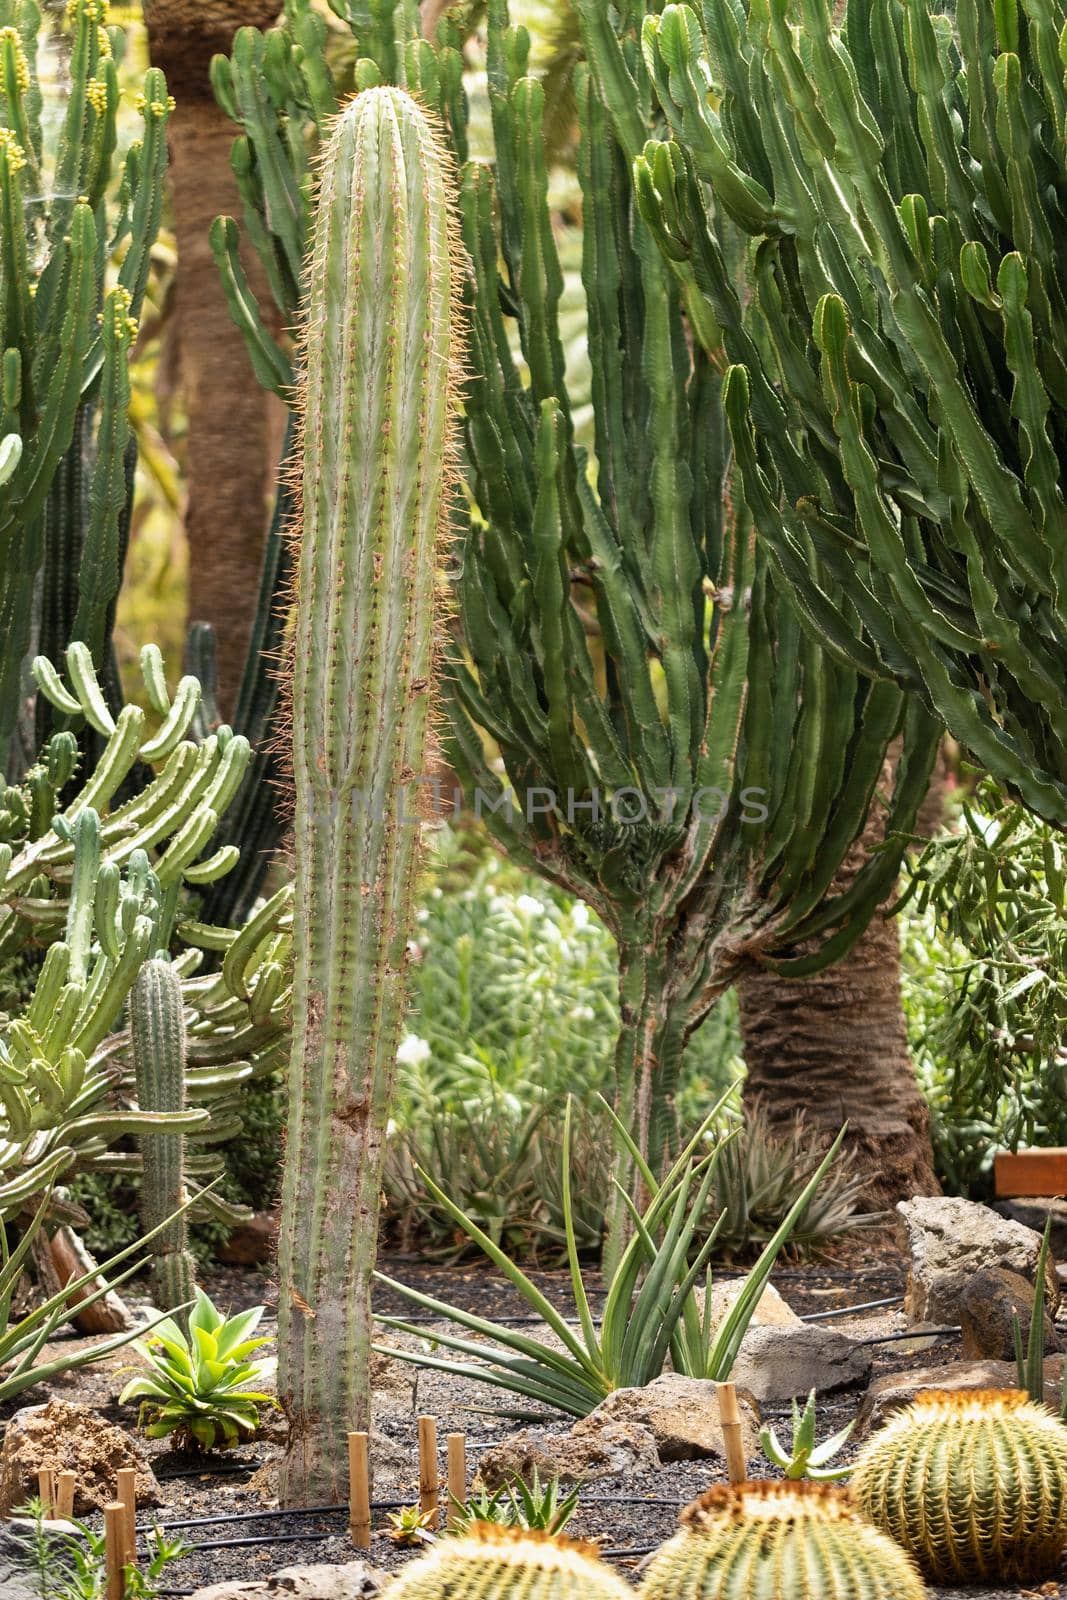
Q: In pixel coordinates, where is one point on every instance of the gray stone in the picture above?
(17, 1580)
(771, 1310)
(1035, 1214)
(615, 1450)
(898, 1389)
(354, 1580)
(682, 1415)
(776, 1364)
(989, 1305)
(949, 1240)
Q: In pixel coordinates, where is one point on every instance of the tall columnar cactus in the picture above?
(898, 401)
(157, 1035)
(675, 749)
(770, 1541)
(66, 327)
(380, 398)
(973, 1485)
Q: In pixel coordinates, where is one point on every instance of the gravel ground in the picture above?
(626, 1518)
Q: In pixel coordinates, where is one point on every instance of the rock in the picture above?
(898, 1389)
(17, 1579)
(394, 1385)
(988, 1306)
(615, 1450)
(70, 1438)
(252, 1243)
(353, 1580)
(776, 1364)
(1035, 1214)
(771, 1310)
(950, 1240)
(682, 1415)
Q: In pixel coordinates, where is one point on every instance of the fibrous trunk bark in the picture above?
(234, 426)
(834, 1046)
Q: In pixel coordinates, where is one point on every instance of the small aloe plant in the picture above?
(198, 1387)
(410, 1525)
(534, 1506)
(806, 1459)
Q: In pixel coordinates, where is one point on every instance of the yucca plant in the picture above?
(898, 393)
(201, 1385)
(650, 1311)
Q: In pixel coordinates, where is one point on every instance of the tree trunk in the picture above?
(834, 1046)
(234, 426)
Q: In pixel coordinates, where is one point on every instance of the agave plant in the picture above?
(198, 1387)
(518, 1504)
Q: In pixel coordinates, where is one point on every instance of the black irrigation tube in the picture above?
(422, 1318)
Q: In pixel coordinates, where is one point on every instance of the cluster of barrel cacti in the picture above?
(898, 393)
(100, 881)
(677, 751)
(66, 327)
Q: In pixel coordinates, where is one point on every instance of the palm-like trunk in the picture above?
(835, 1046)
(234, 427)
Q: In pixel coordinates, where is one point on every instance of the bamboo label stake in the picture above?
(46, 1491)
(733, 1443)
(64, 1505)
(457, 1477)
(115, 1549)
(126, 1495)
(428, 1479)
(359, 1490)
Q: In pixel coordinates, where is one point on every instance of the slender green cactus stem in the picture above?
(380, 401)
(157, 1032)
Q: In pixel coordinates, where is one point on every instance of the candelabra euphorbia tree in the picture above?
(631, 709)
(898, 399)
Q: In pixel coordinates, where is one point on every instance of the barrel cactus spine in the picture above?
(972, 1484)
(496, 1563)
(157, 1033)
(763, 1541)
(379, 404)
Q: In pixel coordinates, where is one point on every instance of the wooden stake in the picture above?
(733, 1442)
(115, 1549)
(126, 1495)
(65, 1485)
(359, 1490)
(46, 1491)
(457, 1476)
(428, 1479)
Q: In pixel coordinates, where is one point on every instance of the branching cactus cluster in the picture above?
(102, 885)
(76, 234)
(898, 393)
(676, 749)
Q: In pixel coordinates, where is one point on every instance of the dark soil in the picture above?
(627, 1519)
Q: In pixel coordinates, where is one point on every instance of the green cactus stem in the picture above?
(157, 1032)
(499, 1563)
(380, 399)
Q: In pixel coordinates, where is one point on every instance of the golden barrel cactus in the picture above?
(973, 1485)
(779, 1541)
(498, 1563)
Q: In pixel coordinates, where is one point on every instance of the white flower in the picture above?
(581, 1013)
(529, 906)
(413, 1051)
(422, 915)
(579, 914)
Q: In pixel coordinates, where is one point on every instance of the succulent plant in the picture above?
(779, 1541)
(972, 1484)
(380, 404)
(805, 1458)
(497, 1563)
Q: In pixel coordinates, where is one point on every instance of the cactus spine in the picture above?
(769, 1541)
(498, 1563)
(157, 1032)
(379, 402)
(973, 1485)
